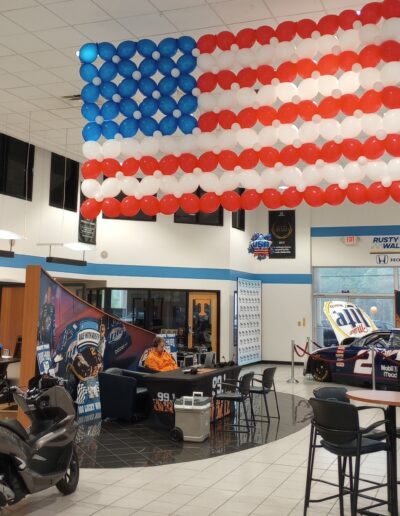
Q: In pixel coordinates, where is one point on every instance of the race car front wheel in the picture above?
(321, 372)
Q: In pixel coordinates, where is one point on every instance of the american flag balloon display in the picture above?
(312, 107)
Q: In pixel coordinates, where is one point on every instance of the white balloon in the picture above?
(245, 57)
(268, 136)
(207, 101)
(326, 84)
(312, 175)
(326, 43)
(393, 169)
(353, 173)
(167, 144)
(187, 143)
(391, 29)
(308, 132)
(349, 82)
(306, 48)
(205, 62)
(286, 91)
(390, 73)
(90, 188)
(227, 100)
(266, 95)
(246, 97)
(291, 176)
(391, 121)
(249, 179)
(226, 60)
(189, 183)
(226, 139)
(247, 138)
(369, 33)
(350, 127)
(206, 141)
(369, 77)
(168, 184)
(288, 133)
(308, 89)
(371, 123)
(375, 170)
(110, 187)
(209, 182)
(349, 39)
(91, 150)
(129, 185)
(329, 128)
(284, 51)
(130, 147)
(332, 173)
(150, 146)
(111, 148)
(149, 185)
(270, 178)
(229, 181)
(265, 55)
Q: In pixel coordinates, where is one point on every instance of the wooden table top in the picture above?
(391, 398)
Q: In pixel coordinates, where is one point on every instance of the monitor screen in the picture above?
(188, 361)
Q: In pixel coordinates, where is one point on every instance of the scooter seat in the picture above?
(16, 427)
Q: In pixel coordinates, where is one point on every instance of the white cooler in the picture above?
(192, 417)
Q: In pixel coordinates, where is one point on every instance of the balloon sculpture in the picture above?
(307, 111)
(260, 246)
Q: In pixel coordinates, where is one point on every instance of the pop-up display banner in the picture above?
(249, 321)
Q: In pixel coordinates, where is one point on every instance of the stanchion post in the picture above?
(292, 379)
(373, 354)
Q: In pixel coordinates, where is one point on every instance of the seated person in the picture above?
(158, 358)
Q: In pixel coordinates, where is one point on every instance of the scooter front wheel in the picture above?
(69, 483)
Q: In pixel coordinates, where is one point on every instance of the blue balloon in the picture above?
(146, 47)
(168, 125)
(186, 83)
(88, 72)
(148, 126)
(129, 127)
(148, 107)
(167, 105)
(168, 47)
(187, 104)
(147, 86)
(109, 129)
(90, 111)
(126, 68)
(167, 86)
(91, 132)
(108, 89)
(108, 71)
(187, 123)
(90, 93)
(186, 44)
(186, 63)
(109, 110)
(127, 88)
(165, 65)
(128, 107)
(106, 50)
(148, 67)
(126, 49)
(88, 53)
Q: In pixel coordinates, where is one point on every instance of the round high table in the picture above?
(392, 400)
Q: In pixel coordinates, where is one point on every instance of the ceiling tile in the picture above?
(197, 33)
(16, 64)
(37, 126)
(167, 5)
(105, 31)
(7, 27)
(24, 43)
(122, 8)
(236, 27)
(37, 77)
(296, 17)
(67, 73)
(18, 119)
(50, 103)
(193, 18)
(338, 4)
(61, 123)
(148, 24)
(4, 51)
(43, 116)
(4, 109)
(60, 89)
(78, 11)
(62, 37)
(21, 106)
(8, 80)
(29, 93)
(7, 5)
(35, 18)
(49, 59)
(281, 8)
(68, 113)
(233, 12)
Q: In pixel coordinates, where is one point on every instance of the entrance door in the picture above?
(202, 320)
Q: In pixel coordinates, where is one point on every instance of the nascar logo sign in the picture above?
(348, 320)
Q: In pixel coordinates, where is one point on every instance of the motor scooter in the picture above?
(44, 455)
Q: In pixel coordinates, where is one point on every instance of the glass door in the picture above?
(202, 320)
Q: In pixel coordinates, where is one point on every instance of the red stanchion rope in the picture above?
(318, 358)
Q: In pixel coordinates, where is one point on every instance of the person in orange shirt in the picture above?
(158, 358)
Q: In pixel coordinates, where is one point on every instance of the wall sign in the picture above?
(283, 232)
(86, 229)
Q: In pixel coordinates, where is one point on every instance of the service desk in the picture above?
(165, 387)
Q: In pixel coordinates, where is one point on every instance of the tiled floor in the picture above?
(262, 481)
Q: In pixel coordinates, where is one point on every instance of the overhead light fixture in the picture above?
(10, 235)
(80, 246)
(66, 261)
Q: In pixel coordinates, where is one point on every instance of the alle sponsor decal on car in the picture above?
(348, 320)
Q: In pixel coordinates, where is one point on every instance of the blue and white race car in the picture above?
(351, 361)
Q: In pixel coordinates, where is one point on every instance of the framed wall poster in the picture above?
(282, 227)
(86, 229)
(248, 321)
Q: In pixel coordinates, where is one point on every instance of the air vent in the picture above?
(73, 98)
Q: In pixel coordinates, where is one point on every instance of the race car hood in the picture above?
(348, 320)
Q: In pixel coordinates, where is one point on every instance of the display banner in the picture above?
(348, 320)
(249, 321)
(282, 227)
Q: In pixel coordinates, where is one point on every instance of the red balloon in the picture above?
(272, 198)
(264, 34)
(349, 103)
(334, 195)
(390, 9)
(208, 161)
(209, 202)
(247, 77)
(91, 169)
(149, 205)
(306, 27)
(357, 193)
(168, 164)
(110, 167)
(269, 156)
(291, 197)
(371, 13)
(329, 107)
(225, 40)
(307, 109)
(331, 152)
(148, 165)
(392, 144)
(230, 201)
(328, 65)
(208, 121)
(226, 118)
(207, 43)
(130, 166)
(286, 31)
(228, 159)
(314, 196)
(246, 38)
(377, 193)
(391, 97)
(289, 155)
(305, 67)
(90, 209)
(309, 152)
(287, 72)
(169, 204)
(250, 199)
(370, 56)
(226, 78)
(347, 19)
(111, 207)
(188, 162)
(190, 203)
(390, 51)
(207, 82)
(287, 113)
(328, 24)
(395, 191)
(247, 117)
(130, 206)
(347, 59)
(370, 102)
(248, 158)
(373, 148)
(265, 74)
(266, 115)
(352, 149)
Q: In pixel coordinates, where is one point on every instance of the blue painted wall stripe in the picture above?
(20, 261)
(355, 231)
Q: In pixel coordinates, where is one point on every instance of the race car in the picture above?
(351, 361)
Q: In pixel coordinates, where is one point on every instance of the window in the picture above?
(210, 219)
(64, 181)
(238, 217)
(16, 167)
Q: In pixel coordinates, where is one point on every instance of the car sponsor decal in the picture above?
(348, 320)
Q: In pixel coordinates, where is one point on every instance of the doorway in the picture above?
(203, 320)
